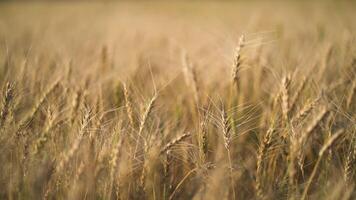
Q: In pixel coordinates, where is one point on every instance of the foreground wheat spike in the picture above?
(322, 151)
(7, 98)
(226, 130)
(237, 62)
(175, 142)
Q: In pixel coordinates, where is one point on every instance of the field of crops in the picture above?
(178, 100)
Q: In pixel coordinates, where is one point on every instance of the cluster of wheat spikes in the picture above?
(282, 125)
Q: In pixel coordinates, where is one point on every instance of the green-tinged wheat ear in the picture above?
(322, 151)
(6, 101)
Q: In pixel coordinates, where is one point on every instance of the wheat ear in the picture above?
(285, 97)
(237, 62)
(6, 101)
(128, 105)
(267, 138)
(174, 142)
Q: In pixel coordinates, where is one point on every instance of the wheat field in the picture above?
(178, 100)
